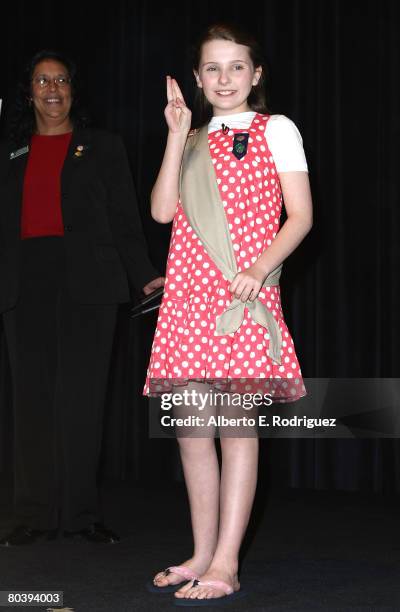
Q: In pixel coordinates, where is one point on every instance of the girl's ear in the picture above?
(196, 76)
(257, 75)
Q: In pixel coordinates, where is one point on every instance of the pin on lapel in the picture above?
(18, 152)
(79, 151)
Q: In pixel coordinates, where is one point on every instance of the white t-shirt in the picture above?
(283, 138)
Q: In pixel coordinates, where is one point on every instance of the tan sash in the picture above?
(205, 212)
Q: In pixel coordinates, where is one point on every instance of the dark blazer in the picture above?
(105, 247)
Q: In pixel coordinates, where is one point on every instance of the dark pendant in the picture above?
(240, 143)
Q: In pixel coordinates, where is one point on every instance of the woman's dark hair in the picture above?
(225, 31)
(23, 120)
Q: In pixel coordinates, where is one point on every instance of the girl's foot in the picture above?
(195, 565)
(210, 592)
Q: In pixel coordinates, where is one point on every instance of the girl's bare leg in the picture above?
(202, 478)
(238, 485)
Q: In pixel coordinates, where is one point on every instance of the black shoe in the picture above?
(23, 535)
(94, 533)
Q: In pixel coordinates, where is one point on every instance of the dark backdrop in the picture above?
(333, 69)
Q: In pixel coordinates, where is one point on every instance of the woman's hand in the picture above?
(247, 284)
(177, 114)
(154, 284)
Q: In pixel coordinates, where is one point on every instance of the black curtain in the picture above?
(333, 69)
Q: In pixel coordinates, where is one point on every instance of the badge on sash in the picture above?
(240, 142)
(19, 152)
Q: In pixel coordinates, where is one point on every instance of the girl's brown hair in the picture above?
(225, 31)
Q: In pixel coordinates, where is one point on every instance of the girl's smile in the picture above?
(225, 92)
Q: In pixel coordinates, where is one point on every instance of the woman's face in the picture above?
(226, 74)
(51, 92)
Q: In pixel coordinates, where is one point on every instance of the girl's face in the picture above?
(226, 74)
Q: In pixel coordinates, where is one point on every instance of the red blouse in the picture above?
(41, 201)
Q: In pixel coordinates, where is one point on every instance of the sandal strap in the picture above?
(217, 584)
(181, 570)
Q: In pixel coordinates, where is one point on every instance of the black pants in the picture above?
(59, 354)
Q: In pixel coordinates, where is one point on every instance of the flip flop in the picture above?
(230, 595)
(182, 571)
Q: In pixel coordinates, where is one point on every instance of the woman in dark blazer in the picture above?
(71, 245)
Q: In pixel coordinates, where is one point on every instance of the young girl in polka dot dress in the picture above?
(187, 350)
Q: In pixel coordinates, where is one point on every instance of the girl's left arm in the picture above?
(298, 204)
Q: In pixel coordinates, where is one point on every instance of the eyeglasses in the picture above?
(43, 81)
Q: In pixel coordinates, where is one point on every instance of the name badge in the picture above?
(18, 152)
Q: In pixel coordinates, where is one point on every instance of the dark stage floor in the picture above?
(307, 551)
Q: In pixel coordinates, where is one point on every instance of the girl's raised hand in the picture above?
(177, 114)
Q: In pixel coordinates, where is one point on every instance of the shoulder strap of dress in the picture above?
(260, 118)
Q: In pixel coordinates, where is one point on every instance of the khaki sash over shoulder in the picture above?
(205, 212)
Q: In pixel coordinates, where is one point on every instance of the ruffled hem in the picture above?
(279, 390)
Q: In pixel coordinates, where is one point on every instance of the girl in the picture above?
(221, 317)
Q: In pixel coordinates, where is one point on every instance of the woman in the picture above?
(71, 243)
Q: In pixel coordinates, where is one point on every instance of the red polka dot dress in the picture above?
(185, 345)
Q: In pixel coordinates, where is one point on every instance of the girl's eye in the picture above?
(210, 68)
(238, 67)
